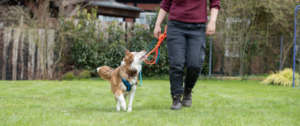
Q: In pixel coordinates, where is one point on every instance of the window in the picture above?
(233, 38)
(108, 18)
(232, 46)
(142, 20)
(144, 16)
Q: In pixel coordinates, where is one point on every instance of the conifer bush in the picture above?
(283, 78)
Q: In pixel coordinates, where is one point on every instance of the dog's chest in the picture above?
(126, 93)
(132, 82)
(133, 86)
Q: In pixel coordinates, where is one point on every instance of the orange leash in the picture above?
(160, 40)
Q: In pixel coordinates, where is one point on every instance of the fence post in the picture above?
(281, 44)
(21, 48)
(295, 30)
(210, 51)
(6, 41)
(16, 38)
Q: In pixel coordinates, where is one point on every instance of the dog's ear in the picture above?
(128, 57)
(126, 52)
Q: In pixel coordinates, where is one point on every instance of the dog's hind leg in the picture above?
(121, 100)
(118, 104)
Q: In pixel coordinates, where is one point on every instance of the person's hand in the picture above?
(157, 31)
(211, 28)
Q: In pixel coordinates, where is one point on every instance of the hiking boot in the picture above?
(187, 97)
(176, 102)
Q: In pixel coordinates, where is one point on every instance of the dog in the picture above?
(123, 79)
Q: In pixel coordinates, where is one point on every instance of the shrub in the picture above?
(283, 78)
(84, 50)
(84, 75)
(89, 51)
(69, 76)
(113, 55)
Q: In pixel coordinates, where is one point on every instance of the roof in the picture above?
(113, 4)
(106, 7)
(140, 1)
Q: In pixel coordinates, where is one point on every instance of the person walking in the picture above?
(186, 38)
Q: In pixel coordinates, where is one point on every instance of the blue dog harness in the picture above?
(127, 84)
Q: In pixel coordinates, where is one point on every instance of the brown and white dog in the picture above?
(123, 79)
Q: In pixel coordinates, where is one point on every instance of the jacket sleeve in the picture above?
(166, 5)
(214, 4)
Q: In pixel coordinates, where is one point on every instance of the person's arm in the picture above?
(214, 10)
(165, 8)
(211, 26)
(161, 16)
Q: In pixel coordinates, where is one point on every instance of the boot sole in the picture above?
(188, 101)
(186, 105)
(175, 109)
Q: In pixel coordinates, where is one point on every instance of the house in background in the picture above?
(108, 9)
(149, 7)
(119, 10)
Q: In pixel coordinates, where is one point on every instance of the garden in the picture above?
(90, 102)
(57, 84)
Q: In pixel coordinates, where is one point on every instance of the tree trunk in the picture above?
(285, 52)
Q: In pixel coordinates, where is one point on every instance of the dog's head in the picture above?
(134, 58)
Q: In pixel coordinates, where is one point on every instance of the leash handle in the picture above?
(157, 49)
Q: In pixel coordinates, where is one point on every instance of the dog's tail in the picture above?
(105, 72)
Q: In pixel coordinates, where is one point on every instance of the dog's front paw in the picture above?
(123, 106)
(129, 108)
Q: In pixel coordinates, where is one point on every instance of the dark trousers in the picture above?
(186, 50)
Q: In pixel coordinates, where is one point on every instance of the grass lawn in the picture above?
(55, 103)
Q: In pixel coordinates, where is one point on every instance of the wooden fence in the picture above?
(23, 52)
(27, 54)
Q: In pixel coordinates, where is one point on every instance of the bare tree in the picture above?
(240, 22)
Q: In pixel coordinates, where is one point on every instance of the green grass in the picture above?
(55, 103)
